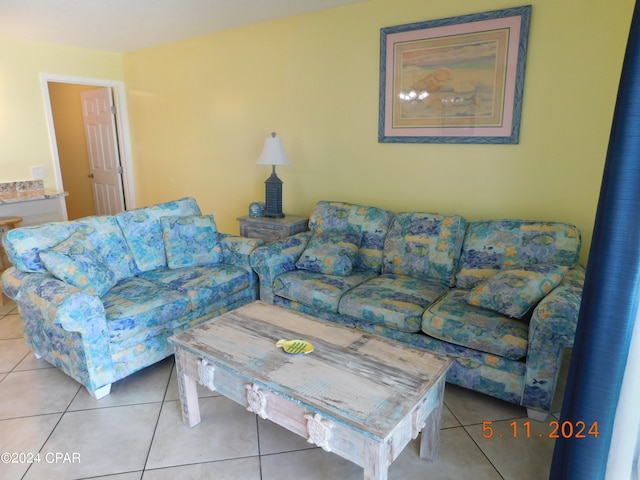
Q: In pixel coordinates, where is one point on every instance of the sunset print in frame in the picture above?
(454, 80)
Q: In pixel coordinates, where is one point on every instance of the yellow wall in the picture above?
(201, 109)
(24, 134)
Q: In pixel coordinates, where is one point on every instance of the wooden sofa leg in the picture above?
(538, 415)
(100, 392)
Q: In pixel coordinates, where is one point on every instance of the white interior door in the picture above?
(102, 141)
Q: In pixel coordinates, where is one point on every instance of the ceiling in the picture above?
(125, 25)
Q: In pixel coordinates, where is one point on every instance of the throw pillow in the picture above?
(191, 240)
(331, 253)
(513, 291)
(74, 261)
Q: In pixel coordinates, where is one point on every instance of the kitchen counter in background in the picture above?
(30, 196)
(31, 201)
(30, 190)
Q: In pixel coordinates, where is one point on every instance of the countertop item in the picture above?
(26, 191)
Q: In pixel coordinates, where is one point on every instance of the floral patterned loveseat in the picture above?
(499, 297)
(99, 296)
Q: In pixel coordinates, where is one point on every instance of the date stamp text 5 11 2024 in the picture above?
(557, 429)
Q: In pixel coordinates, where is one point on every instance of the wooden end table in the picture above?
(272, 229)
(360, 396)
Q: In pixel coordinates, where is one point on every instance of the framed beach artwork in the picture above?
(454, 80)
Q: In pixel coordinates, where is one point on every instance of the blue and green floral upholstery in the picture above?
(419, 260)
(395, 301)
(513, 291)
(491, 245)
(551, 331)
(137, 309)
(190, 240)
(203, 284)
(100, 337)
(496, 253)
(76, 262)
(24, 245)
(317, 290)
(435, 282)
(370, 224)
(106, 237)
(424, 245)
(143, 230)
(454, 320)
(331, 253)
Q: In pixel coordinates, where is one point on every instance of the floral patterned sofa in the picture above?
(99, 296)
(498, 297)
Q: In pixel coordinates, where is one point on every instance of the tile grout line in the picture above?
(482, 451)
(259, 450)
(66, 410)
(155, 428)
(464, 428)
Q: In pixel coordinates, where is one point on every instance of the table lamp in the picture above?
(273, 154)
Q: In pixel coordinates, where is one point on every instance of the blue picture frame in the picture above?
(454, 80)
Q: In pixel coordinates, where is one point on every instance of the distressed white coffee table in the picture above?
(360, 396)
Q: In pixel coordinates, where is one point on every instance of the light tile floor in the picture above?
(136, 433)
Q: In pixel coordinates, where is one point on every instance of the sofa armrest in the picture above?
(237, 250)
(12, 278)
(67, 327)
(276, 258)
(61, 303)
(551, 330)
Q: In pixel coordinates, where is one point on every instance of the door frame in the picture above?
(122, 126)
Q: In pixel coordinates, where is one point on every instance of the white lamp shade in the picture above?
(273, 152)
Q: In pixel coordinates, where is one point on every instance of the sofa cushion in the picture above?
(202, 285)
(23, 245)
(143, 232)
(74, 261)
(331, 253)
(453, 320)
(395, 301)
(104, 233)
(514, 291)
(317, 290)
(369, 223)
(137, 309)
(491, 245)
(424, 245)
(191, 240)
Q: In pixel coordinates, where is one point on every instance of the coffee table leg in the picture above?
(430, 435)
(376, 465)
(188, 392)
